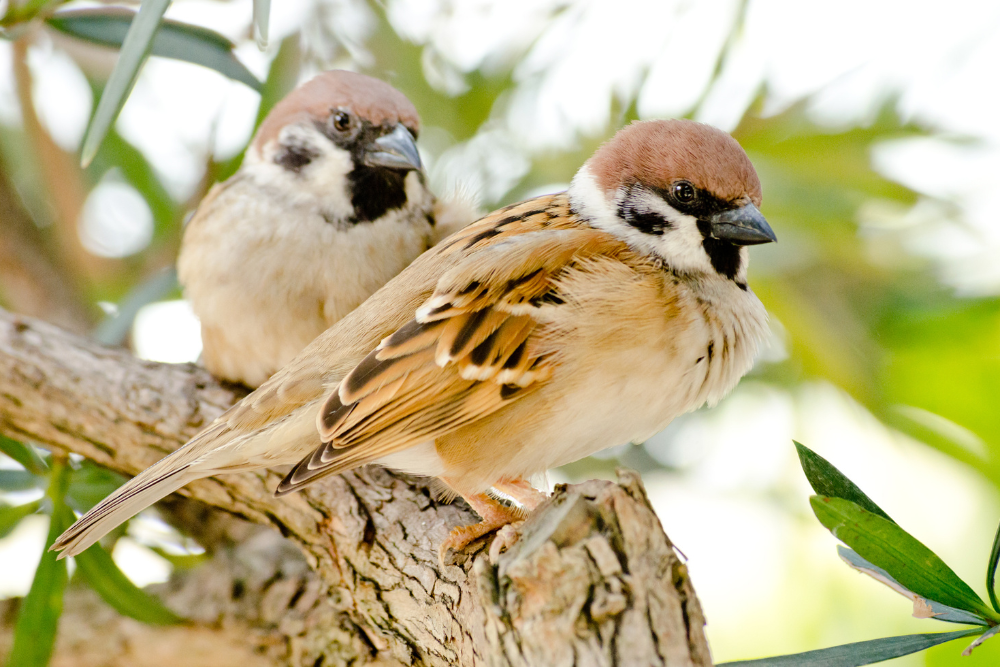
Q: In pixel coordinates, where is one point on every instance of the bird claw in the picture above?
(495, 516)
(506, 537)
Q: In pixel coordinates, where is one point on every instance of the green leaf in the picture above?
(19, 480)
(135, 49)
(280, 81)
(181, 561)
(989, 634)
(991, 572)
(885, 544)
(23, 454)
(826, 480)
(860, 653)
(38, 619)
(922, 607)
(10, 516)
(97, 567)
(117, 153)
(180, 41)
(114, 329)
(261, 16)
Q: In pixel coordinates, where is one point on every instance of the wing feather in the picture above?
(472, 348)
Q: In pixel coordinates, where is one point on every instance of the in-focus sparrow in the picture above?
(541, 334)
(329, 204)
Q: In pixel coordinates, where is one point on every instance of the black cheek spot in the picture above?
(645, 221)
(294, 158)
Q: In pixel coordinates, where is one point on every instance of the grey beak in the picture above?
(741, 226)
(396, 150)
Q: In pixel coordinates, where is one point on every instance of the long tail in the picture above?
(155, 482)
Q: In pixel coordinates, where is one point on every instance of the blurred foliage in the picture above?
(38, 619)
(856, 311)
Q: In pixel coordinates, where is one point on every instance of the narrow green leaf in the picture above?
(114, 329)
(991, 572)
(826, 480)
(23, 454)
(10, 516)
(117, 153)
(858, 654)
(280, 81)
(135, 50)
(885, 544)
(261, 18)
(38, 620)
(281, 77)
(180, 41)
(921, 606)
(19, 480)
(989, 634)
(181, 561)
(97, 567)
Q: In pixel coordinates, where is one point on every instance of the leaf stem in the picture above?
(991, 571)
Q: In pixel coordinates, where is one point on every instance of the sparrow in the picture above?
(544, 332)
(330, 203)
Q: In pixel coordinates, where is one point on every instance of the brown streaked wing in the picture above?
(470, 350)
(545, 212)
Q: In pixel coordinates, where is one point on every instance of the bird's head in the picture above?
(680, 191)
(346, 140)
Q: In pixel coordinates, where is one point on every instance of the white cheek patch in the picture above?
(320, 184)
(590, 201)
(680, 244)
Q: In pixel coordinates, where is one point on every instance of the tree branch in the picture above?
(593, 580)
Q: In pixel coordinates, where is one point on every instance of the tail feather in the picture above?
(131, 498)
(215, 450)
(155, 482)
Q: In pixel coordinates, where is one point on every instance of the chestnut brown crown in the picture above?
(657, 153)
(370, 99)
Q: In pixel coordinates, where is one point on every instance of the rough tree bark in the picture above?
(592, 580)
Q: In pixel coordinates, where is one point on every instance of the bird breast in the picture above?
(636, 347)
(265, 279)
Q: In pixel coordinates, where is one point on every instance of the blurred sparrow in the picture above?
(329, 204)
(541, 334)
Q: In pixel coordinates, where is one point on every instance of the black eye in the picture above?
(341, 121)
(684, 192)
